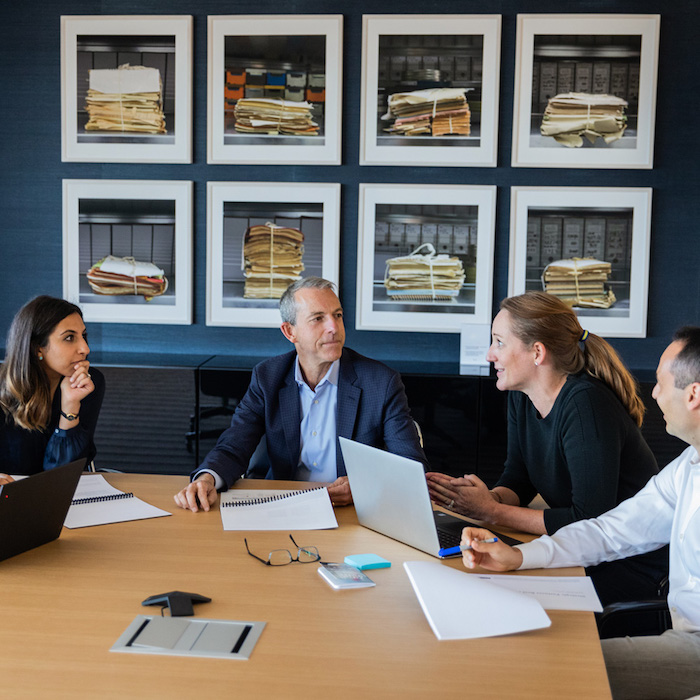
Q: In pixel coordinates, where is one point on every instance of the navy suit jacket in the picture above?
(372, 409)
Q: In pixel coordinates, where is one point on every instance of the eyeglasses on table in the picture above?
(281, 557)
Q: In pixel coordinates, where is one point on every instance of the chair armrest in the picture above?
(620, 619)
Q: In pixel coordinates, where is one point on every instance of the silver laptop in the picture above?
(32, 510)
(391, 496)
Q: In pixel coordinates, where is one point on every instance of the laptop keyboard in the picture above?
(448, 539)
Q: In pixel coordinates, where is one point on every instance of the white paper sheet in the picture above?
(459, 605)
(125, 81)
(104, 512)
(553, 592)
(310, 510)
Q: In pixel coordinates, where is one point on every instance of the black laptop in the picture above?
(32, 510)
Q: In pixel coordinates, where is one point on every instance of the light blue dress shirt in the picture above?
(317, 461)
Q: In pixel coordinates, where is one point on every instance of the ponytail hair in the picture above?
(25, 390)
(542, 317)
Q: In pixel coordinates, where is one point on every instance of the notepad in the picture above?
(96, 502)
(277, 510)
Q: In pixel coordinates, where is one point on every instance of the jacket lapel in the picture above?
(291, 418)
(348, 402)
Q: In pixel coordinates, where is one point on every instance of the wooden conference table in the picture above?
(63, 606)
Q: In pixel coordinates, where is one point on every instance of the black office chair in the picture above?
(229, 388)
(636, 618)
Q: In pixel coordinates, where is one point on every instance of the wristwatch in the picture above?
(70, 416)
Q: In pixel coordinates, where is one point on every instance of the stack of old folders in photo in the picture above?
(304, 509)
(128, 99)
(272, 260)
(570, 116)
(424, 276)
(274, 117)
(96, 502)
(113, 276)
(431, 112)
(579, 282)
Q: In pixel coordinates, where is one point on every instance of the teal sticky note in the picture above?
(367, 561)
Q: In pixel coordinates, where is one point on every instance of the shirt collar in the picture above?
(331, 375)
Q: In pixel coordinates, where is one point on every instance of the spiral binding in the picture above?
(268, 499)
(99, 499)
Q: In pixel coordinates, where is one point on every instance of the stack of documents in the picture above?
(571, 115)
(117, 276)
(426, 276)
(269, 116)
(434, 112)
(272, 260)
(579, 282)
(128, 98)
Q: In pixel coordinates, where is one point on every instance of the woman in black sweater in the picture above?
(573, 436)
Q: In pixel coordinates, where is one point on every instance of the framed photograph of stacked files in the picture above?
(275, 89)
(261, 237)
(126, 89)
(127, 250)
(590, 247)
(585, 91)
(430, 90)
(425, 257)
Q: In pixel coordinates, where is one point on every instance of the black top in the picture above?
(29, 451)
(586, 456)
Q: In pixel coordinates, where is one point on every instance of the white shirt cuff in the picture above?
(535, 555)
(218, 481)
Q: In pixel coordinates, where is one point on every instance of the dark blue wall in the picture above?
(31, 170)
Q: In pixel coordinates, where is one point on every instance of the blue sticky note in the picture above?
(367, 561)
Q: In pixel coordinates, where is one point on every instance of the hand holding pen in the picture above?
(480, 548)
(449, 551)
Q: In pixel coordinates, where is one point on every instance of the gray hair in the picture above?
(288, 305)
(686, 365)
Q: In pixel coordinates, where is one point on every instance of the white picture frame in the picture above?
(464, 48)
(462, 220)
(147, 220)
(89, 42)
(613, 224)
(279, 41)
(594, 53)
(234, 207)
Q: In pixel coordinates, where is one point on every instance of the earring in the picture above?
(536, 363)
(41, 357)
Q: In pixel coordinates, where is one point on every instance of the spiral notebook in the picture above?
(96, 502)
(305, 509)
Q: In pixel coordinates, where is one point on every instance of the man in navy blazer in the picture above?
(369, 399)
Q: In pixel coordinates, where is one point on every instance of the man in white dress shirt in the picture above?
(666, 510)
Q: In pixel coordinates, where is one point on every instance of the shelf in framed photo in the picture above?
(261, 237)
(608, 283)
(425, 257)
(274, 89)
(126, 89)
(585, 94)
(430, 90)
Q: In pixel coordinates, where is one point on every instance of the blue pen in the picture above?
(462, 547)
